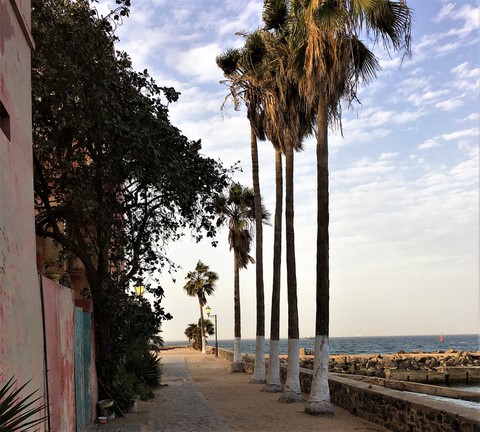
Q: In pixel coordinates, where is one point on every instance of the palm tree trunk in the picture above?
(293, 391)
(202, 329)
(237, 364)
(273, 379)
(319, 399)
(259, 367)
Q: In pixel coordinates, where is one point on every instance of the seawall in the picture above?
(397, 410)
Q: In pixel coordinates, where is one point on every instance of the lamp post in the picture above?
(139, 289)
(208, 309)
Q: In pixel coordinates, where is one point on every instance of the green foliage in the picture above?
(194, 333)
(134, 374)
(16, 411)
(122, 177)
(132, 369)
(114, 180)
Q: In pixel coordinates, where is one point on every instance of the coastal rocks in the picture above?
(376, 365)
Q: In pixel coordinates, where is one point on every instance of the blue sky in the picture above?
(404, 178)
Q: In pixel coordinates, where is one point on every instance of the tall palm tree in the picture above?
(332, 61)
(273, 378)
(201, 283)
(237, 209)
(240, 67)
(289, 119)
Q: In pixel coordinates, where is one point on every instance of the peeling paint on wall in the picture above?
(6, 28)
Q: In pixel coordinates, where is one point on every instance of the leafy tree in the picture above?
(195, 333)
(115, 181)
(201, 283)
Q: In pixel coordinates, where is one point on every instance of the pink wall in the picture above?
(59, 324)
(21, 340)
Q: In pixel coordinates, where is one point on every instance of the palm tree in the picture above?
(194, 333)
(238, 210)
(201, 283)
(240, 67)
(273, 378)
(331, 61)
(289, 119)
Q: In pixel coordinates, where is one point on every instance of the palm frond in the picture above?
(16, 411)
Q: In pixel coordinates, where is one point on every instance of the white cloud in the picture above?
(457, 136)
(428, 144)
(449, 104)
(198, 63)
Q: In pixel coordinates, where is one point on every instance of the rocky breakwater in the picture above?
(448, 366)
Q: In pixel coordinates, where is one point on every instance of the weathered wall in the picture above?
(59, 321)
(21, 340)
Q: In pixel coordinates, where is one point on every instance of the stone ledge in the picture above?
(396, 410)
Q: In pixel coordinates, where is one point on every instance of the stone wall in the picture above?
(396, 410)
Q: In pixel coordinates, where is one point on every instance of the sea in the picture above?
(364, 344)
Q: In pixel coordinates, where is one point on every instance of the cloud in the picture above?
(428, 144)
(198, 63)
(467, 78)
(458, 136)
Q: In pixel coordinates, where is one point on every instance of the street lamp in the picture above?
(139, 289)
(208, 309)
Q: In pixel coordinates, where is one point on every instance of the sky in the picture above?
(404, 178)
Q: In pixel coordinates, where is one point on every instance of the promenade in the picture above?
(200, 394)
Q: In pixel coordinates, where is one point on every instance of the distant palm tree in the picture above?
(201, 283)
(237, 209)
(194, 333)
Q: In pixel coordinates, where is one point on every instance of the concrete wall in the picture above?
(21, 338)
(59, 320)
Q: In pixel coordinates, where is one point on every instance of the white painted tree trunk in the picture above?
(259, 367)
(319, 399)
(237, 350)
(204, 345)
(274, 385)
(292, 390)
(237, 364)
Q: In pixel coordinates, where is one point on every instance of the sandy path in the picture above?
(201, 395)
(245, 408)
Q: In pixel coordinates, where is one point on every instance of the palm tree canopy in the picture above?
(330, 56)
(238, 210)
(201, 282)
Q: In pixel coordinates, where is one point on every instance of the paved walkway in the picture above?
(201, 395)
(179, 406)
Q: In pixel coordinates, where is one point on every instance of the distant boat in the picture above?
(442, 339)
(309, 337)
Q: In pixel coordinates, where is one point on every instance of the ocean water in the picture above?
(366, 344)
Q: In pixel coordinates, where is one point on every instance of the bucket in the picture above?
(105, 407)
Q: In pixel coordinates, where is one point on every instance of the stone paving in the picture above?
(178, 407)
